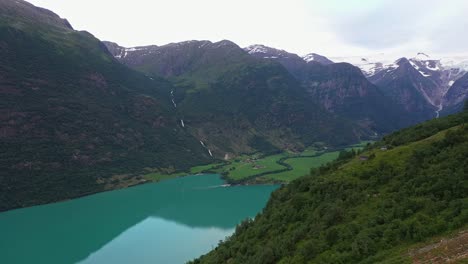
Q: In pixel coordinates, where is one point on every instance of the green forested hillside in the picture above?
(71, 117)
(368, 208)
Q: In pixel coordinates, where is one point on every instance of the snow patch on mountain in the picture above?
(309, 57)
(268, 52)
(373, 64)
(419, 69)
(369, 65)
(256, 49)
(455, 62)
(313, 57)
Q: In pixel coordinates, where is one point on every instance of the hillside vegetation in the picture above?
(368, 208)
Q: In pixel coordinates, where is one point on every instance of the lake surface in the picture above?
(168, 222)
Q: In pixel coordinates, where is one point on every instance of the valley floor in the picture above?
(263, 169)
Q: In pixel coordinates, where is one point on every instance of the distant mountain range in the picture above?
(422, 83)
(414, 89)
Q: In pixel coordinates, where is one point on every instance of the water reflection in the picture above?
(156, 240)
(180, 211)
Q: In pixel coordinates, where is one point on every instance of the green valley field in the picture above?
(257, 168)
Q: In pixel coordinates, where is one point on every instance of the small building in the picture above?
(384, 148)
(363, 158)
(257, 167)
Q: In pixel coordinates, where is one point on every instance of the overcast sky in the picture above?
(327, 27)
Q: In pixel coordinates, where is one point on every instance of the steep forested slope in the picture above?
(370, 208)
(71, 116)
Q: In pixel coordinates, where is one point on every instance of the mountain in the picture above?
(175, 59)
(73, 120)
(340, 88)
(383, 205)
(421, 90)
(409, 88)
(236, 103)
(292, 62)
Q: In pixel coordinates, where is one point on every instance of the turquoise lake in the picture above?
(168, 222)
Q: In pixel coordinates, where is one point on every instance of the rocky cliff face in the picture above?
(455, 98)
(339, 87)
(408, 88)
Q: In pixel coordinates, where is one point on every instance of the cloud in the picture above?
(401, 24)
(329, 27)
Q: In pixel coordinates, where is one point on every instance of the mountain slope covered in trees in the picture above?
(71, 116)
(367, 208)
(236, 103)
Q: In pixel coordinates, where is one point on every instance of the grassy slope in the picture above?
(242, 168)
(302, 166)
(364, 211)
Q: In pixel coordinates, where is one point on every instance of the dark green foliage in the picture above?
(347, 154)
(354, 211)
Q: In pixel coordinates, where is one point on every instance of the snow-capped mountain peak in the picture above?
(259, 50)
(371, 64)
(313, 57)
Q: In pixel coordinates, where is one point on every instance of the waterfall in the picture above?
(172, 99)
(440, 107)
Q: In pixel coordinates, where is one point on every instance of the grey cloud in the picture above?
(395, 23)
